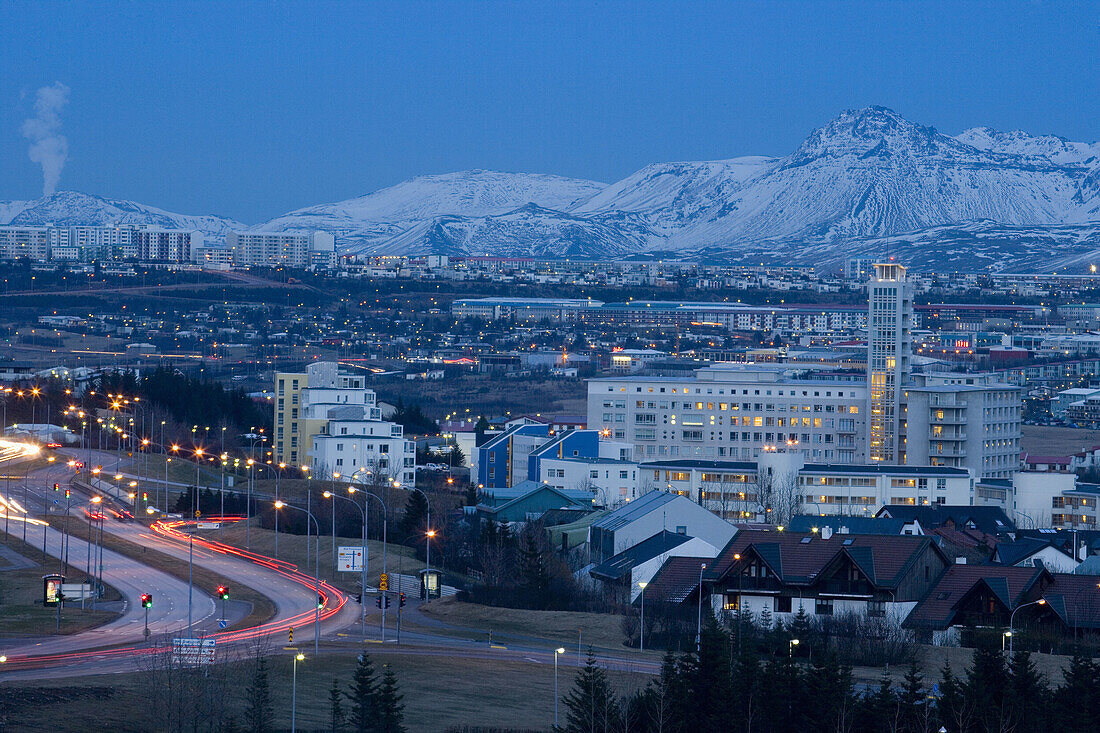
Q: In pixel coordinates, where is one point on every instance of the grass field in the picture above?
(1047, 441)
(21, 611)
(439, 692)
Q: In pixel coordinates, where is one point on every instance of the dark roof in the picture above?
(798, 558)
(853, 525)
(1064, 537)
(1076, 600)
(938, 609)
(634, 510)
(621, 564)
(1013, 553)
(715, 465)
(989, 519)
(676, 581)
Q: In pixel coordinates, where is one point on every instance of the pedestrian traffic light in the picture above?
(223, 592)
(146, 600)
(402, 601)
(57, 487)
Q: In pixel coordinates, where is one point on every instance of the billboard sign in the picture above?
(350, 559)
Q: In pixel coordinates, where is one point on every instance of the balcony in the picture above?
(958, 435)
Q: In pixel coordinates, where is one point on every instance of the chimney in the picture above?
(826, 532)
(960, 560)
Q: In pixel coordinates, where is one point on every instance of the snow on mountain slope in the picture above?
(529, 230)
(10, 209)
(385, 213)
(1051, 147)
(871, 172)
(71, 208)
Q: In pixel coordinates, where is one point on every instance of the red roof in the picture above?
(676, 581)
(1010, 584)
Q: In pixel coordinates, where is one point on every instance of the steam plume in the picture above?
(49, 148)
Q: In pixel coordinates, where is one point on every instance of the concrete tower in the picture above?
(889, 322)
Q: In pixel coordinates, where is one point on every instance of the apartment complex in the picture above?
(327, 421)
(88, 243)
(283, 249)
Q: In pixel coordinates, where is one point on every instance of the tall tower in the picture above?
(889, 320)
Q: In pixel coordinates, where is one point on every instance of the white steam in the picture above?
(49, 148)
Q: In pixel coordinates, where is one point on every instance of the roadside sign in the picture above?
(193, 651)
(384, 581)
(222, 623)
(350, 559)
(208, 525)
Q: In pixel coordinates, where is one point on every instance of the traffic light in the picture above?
(146, 600)
(378, 601)
(223, 592)
(402, 601)
(320, 601)
(57, 487)
(68, 493)
(387, 600)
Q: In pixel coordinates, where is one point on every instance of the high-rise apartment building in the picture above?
(889, 346)
(103, 243)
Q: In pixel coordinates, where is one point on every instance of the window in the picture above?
(876, 608)
(593, 474)
(824, 607)
(782, 604)
(681, 529)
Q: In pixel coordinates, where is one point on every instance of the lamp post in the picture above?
(1012, 617)
(299, 657)
(428, 535)
(316, 580)
(363, 563)
(740, 594)
(641, 628)
(1005, 636)
(559, 650)
(195, 499)
(699, 611)
(385, 525)
(790, 648)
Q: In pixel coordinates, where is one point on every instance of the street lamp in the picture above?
(385, 525)
(316, 580)
(559, 650)
(1012, 616)
(299, 657)
(363, 562)
(1004, 637)
(699, 612)
(790, 648)
(641, 629)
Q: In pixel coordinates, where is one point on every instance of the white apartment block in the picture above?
(614, 481)
(103, 243)
(733, 412)
(964, 421)
(329, 422)
(287, 249)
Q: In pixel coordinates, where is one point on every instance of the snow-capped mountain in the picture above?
(867, 174)
(71, 208)
(366, 223)
(867, 180)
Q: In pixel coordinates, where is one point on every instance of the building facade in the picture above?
(889, 324)
(300, 250)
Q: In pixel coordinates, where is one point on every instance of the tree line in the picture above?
(715, 689)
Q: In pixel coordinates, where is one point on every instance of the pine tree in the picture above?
(415, 520)
(391, 711)
(986, 683)
(364, 696)
(1028, 697)
(828, 701)
(955, 711)
(259, 714)
(748, 697)
(590, 706)
(336, 710)
(1077, 700)
(879, 709)
(711, 685)
(800, 628)
(913, 702)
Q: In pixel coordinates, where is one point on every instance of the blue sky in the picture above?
(250, 109)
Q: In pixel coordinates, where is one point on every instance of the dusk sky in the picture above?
(252, 109)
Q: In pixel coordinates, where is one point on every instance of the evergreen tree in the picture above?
(711, 686)
(391, 711)
(827, 698)
(415, 521)
(748, 689)
(1028, 697)
(800, 629)
(534, 568)
(1077, 700)
(879, 709)
(364, 696)
(914, 712)
(955, 711)
(986, 683)
(665, 699)
(590, 707)
(783, 691)
(259, 714)
(336, 710)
